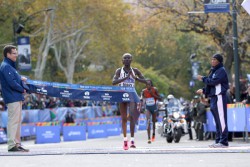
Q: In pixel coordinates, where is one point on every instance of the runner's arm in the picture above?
(116, 79)
(139, 77)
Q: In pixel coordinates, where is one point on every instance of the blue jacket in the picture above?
(12, 89)
(216, 82)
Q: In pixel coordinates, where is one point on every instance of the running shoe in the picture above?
(125, 146)
(211, 145)
(132, 144)
(149, 141)
(220, 145)
(153, 138)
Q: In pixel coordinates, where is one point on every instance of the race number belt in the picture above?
(150, 101)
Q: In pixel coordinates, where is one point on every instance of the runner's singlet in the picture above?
(150, 100)
(130, 82)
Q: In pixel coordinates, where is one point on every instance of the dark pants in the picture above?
(218, 106)
(189, 130)
(200, 131)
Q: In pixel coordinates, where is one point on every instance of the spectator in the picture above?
(13, 89)
(216, 86)
(69, 117)
(189, 119)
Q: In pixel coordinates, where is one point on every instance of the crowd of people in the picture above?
(38, 101)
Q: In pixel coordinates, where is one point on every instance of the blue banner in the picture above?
(24, 53)
(47, 134)
(216, 6)
(84, 92)
(74, 133)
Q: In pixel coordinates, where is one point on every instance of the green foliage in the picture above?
(158, 33)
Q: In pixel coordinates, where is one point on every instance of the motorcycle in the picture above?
(173, 122)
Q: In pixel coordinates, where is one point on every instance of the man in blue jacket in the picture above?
(216, 87)
(12, 91)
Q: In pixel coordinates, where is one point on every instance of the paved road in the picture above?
(108, 152)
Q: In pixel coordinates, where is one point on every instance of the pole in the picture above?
(235, 49)
(14, 24)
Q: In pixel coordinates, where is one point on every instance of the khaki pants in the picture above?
(14, 124)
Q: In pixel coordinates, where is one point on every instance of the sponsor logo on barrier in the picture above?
(65, 93)
(86, 95)
(106, 96)
(125, 97)
(74, 133)
(112, 129)
(26, 130)
(48, 134)
(97, 131)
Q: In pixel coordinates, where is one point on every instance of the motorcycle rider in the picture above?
(150, 95)
(170, 100)
(174, 123)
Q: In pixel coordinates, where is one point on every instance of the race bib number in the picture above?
(150, 101)
(128, 84)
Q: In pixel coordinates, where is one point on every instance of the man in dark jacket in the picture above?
(12, 91)
(201, 118)
(216, 88)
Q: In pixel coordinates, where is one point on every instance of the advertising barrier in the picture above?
(113, 129)
(210, 123)
(113, 126)
(238, 118)
(97, 131)
(25, 130)
(3, 136)
(142, 122)
(47, 133)
(74, 131)
(128, 127)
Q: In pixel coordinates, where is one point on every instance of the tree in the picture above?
(217, 26)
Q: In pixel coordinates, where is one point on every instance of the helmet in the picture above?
(170, 96)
